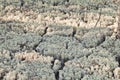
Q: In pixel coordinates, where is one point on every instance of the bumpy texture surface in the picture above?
(59, 40)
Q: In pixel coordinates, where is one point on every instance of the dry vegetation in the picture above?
(118, 28)
(59, 40)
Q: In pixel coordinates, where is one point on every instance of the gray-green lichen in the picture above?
(14, 68)
(59, 30)
(21, 42)
(64, 47)
(60, 52)
(79, 68)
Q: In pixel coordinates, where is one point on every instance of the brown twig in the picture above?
(98, 18)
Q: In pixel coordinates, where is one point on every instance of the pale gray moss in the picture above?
(53, 2)
(11, 26)
(101, 52)
(109, 44)
(95, 76)
(79, 68)
(80, 32)
(25, 70)
(117, 43)
(59, 30)
(95, 4)
(62, 47)
(21, 42)
(57, 65)
(37, 69)
(32, 3)
(17, 27)
(93, 47)
(92, 37)
(10, 2)
(116, 47)
(71, 73)
(90, 4)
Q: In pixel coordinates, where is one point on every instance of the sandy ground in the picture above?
(58, 43)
